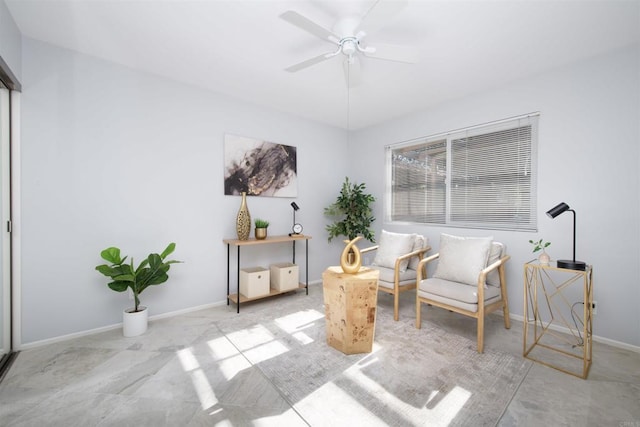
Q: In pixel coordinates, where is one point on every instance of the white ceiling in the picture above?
(241, 47)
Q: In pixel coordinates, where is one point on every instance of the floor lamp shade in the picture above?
(563, 263)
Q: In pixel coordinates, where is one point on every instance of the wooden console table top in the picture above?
(269, 239)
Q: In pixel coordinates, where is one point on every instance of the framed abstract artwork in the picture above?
(259, 168)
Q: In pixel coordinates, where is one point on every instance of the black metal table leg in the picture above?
(238, 281)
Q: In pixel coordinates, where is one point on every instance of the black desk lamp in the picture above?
(563, 263)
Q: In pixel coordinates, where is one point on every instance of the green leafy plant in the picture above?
(151, 271)
(352, 210)
(539, 245)
(261, 223)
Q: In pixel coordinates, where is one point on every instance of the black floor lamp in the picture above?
(563, 263)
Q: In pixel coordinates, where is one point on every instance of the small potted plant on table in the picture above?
(541, 245)
(261, 229)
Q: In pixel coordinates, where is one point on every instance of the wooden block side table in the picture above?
(350, 302)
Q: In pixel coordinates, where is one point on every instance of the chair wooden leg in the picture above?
(396, 306)
(481, 334)
(505, 298)
(505, 311)
(418, 322)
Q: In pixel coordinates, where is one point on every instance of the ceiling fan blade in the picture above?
(391, 52)
(309, 26)
(379, 14)
(352, 71)
(309, 62)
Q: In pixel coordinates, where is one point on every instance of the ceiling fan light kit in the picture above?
(348, 34)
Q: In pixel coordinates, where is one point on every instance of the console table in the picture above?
(551, 295)
(237, 298)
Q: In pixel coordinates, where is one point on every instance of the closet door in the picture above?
(5, 241)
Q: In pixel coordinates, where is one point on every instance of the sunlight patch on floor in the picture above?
(330, 397)
(232, 366)
(299, 320)
(442, 409)
(231, 361)
(266, 351)
(221, 348)
(302, 338)
(249, 338)
(447, 409)
(203, 389)
(200, 382)
(188, 359)
(295, 323)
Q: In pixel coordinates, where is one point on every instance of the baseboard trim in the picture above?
(68, 337)
(35, 344)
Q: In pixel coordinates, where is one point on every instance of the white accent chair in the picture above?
(469, 279)
(397, 257)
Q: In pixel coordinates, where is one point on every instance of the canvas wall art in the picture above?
(259, 168)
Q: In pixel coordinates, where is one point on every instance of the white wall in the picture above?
(112, 156)
(589, 151)
(10, 41)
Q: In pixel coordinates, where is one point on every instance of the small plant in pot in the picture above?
(541, 245)
(261, 228)
(151, 271)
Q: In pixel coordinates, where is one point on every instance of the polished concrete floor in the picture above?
(105, 379)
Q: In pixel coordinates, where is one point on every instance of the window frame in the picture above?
(527, 163)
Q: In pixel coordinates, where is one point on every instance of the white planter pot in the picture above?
(135, 323)
(544, 258)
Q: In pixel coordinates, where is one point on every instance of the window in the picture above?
(480, 177)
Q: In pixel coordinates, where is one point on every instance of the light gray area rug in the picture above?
(413, 377)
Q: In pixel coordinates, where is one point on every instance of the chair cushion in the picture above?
(456, 291)
(418, 243)
(462, 258)
(392, 246)
(386, 278)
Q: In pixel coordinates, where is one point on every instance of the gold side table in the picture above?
(558, 316)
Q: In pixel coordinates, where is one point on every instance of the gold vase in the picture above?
(243, 220)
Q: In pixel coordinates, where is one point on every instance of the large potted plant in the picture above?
(352, 213)
(152, 271)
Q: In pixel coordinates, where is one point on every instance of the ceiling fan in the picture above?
(348, 35)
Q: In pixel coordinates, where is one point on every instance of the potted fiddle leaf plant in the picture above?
(151, 271)
(352, 212)
(261, 228)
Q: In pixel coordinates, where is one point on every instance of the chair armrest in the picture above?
(482, 277)
(495, 265)
(417, 252)
(423, 263)
(369, 249)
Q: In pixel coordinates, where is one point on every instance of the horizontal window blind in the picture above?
(419, 183)
(482, 177)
